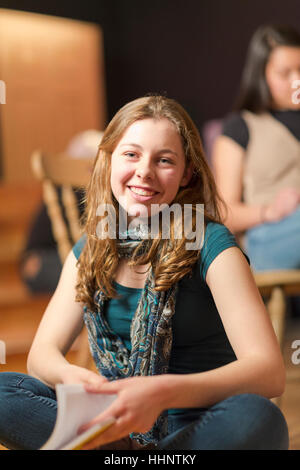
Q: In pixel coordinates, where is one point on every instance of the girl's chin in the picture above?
(132, 213)
(140, 213)
(142, 207)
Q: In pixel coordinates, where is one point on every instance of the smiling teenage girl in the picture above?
(181, 336)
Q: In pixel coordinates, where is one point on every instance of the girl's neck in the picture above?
(131, 276)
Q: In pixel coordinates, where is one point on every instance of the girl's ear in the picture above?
(188, 172)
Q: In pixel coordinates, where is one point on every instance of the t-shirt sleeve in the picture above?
(217, 239)
(78, 247)
(235, 127)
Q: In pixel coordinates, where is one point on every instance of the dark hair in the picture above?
(254, 93)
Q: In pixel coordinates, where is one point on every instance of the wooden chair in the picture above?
(275, 287)
(61, 170)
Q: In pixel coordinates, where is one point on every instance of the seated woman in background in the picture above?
(256, 160)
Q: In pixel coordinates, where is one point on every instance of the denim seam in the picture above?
(43, 400)
(20, 382)
(198, 424)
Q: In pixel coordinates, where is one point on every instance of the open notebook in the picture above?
(76, 407)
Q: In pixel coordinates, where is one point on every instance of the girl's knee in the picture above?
(259, 420)
(254, 405)
(16, 381)
(10, 380)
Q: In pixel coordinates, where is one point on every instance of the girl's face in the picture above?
(282, 69)
(148, 165)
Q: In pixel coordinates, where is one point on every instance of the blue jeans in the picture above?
(275, 245)
(247, 421)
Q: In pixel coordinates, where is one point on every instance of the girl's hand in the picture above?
(73, 374)
(285, 202)
(139, 402)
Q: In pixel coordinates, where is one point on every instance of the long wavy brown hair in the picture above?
(169, 258)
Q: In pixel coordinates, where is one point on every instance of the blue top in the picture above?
(199, 339)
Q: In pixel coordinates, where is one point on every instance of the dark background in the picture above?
(190, 50)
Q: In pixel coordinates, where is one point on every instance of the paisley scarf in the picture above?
(151, 337)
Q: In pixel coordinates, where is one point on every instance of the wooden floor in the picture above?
(20, 312)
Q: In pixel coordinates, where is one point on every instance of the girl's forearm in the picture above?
(248, 375)
(47, 364)
(240, 216)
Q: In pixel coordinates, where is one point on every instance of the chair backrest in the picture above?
(61, 170)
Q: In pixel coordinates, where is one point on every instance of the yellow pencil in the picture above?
(89, 434)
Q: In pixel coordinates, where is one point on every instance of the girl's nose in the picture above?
(144, 169)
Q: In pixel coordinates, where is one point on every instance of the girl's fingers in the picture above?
(103, 387)
(99, 419)
(96, 381)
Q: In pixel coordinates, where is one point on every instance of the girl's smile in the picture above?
(148, 165)
(142, 194)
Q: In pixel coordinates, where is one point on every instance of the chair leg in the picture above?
(277, 310)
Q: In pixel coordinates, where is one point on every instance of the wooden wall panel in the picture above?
(53, 69)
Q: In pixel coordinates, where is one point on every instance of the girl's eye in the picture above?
(130, 154)
(166, 160)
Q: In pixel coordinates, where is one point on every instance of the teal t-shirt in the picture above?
(199, 339)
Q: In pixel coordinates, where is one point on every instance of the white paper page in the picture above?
(75, 407)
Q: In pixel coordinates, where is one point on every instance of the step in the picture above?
(18, 204)
(19, 200)
(12, 289)
(18, 323)
(12, 242)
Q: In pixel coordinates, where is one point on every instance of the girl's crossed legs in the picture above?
(28, 413)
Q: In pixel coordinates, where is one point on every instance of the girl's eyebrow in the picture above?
(140, 147)
(168, 151)
(131, 145)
